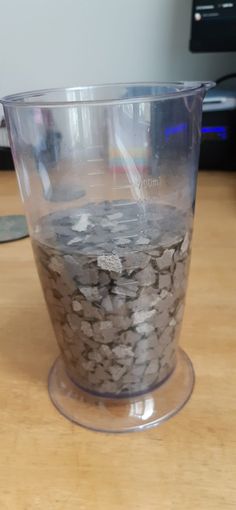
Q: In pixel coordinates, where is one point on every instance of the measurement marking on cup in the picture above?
(99, 185)
(126, 237)
(95, 160)
(128, 221)
(126, 186)
(95, 173)
(124, 203)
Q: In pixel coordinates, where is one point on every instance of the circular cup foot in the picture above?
(118, 414)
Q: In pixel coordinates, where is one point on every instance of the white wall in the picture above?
(48, 43)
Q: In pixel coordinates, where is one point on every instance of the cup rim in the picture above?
(39, 98)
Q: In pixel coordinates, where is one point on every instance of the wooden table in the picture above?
(189, 462)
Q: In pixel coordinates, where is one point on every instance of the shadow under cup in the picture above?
(108, 178)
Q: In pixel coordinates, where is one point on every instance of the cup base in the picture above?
(122, 415)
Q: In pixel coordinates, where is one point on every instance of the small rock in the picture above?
(166, 336)
(126, 291)
(95, 356)
(68, 331)
(110, 263)
(74, 321)
(179, 312)
(86, 328)
(143, 241)
(153, 367)
(123, 241)
(145, 329)
(136, 260)
(105, 351)
(125, 362)
(56, 264)
(116, 372)
(103, 278)
(162, 320)
(121, 351)
(109, 387)
(92, 312)
(82, 224)
(130, 338)
(76, 306)
(140, 317)
(107, 304)
(88, 365)
(115, 216)
(91, 293)
(165, 260)
(185, 243)
(164, 281)
(138, 370)
(147, 276)
(75, 240)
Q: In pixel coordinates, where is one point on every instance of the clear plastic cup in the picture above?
(108, 177)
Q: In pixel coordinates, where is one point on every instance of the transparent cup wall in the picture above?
(108, 178)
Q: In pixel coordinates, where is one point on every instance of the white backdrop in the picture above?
(48, 43)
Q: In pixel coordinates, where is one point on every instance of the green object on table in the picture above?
(12, 228)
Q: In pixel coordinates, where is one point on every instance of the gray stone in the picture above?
(73, 321)
(143, 347)
(107, 304)
(179, 312)
(130, 338)
(165, 260)
(137, 260)
(77, 307)
(109, 387)
(143, 241)
(68, 331)
(110, 263)
(140, 317)
(82, 224)
(56, 265)
(145, 329)
(104, 332)
(95, 356)
(75, 240)
(125, 362)
(115, 216)
(123, 241)
(105, 351)
(126, 291)
(121, 351)
(148, 298)
(185, 243)
(146, 277)
(91, 293)
(162, 320)
(117, 372)
(86, 328)
(92, 312)
(103, 278)
(138, 370)
(88, 365)
(166, 336)
(121, 323)
(152, 367)
(165, 281)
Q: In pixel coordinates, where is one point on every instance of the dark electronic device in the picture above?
(213, 26)
(218, 147)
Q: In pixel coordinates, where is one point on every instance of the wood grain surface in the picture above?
(189, 463)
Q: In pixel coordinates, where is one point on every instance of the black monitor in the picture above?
(213, 26)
